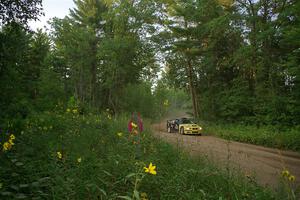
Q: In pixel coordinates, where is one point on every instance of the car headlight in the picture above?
(188, 128)
(200, 128)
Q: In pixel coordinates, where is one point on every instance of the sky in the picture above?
(52, 8)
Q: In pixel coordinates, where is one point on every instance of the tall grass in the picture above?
(108, 167)
(265, 136)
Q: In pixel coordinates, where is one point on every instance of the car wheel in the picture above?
(169, 129)
(182, 131)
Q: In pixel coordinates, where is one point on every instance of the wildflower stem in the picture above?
(135, 185)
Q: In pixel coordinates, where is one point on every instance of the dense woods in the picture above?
(244, 59)
(238, 60)
(99, 56)
(68, 91)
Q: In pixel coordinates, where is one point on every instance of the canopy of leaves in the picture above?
(20, 11)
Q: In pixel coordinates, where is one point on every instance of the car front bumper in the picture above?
(192, 132)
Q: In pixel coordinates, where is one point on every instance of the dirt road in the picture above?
(263, 164)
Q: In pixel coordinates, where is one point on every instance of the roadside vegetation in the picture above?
(268, 136)
(67, 155)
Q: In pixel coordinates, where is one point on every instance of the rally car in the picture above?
(183, 126)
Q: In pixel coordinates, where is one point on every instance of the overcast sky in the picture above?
(52, 8)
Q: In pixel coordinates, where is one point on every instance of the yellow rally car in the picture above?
(183, 126)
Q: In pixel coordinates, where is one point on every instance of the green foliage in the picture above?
(237, 104)
(244, 58)
(170, 99)
(269, 136)
(28, 81)
(51, 91)
(15, 84)
(138, 98)
(19, 11)
(101, 51)
(32, 169)
(240, 63)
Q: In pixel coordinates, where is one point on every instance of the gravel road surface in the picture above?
(264, 165)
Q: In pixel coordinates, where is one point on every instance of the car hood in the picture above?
(190, 125)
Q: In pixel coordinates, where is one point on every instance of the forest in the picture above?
(232, 63)
(238, 61)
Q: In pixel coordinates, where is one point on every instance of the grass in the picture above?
(266, 136)
(109, 168)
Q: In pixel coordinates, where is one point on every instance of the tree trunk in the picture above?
(191, 87)
(93, 72)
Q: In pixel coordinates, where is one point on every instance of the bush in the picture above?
(265, 135)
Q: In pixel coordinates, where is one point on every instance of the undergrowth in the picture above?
(265, 136)
(75, 156)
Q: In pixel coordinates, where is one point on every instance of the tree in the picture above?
(89, 15)
(183, 42)
(243, 55)
(101, 48)
(289, 20)
(19, 11)
(22, 58)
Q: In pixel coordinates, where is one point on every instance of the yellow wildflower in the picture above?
(120, 134)
(59, 155)
(292, 178)
(10, 141)
(144, 196)
(68, 110)
(285, 173)
(79, 160)
(150, 169)
(75, 111)
(12, 137)
(133, 125)
(6, 146)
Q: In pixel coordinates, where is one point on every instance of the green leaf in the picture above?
(6, 193)
(19, 164)
(14, 174)
(130, 175)
(136, 194)
(23, 185)
(107, 173)
(94, 186)
(125, 197)
(14, 187)
(44, 179)
(20, 196)
(35, 184)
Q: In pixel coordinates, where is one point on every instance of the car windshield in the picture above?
(186, 121)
